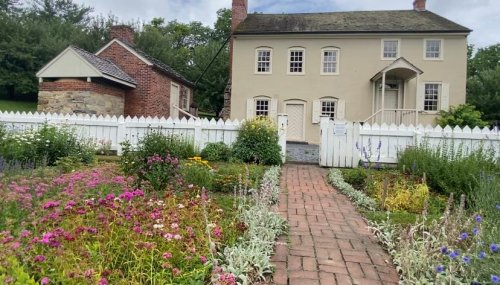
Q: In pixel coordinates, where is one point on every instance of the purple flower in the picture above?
(444, 250)
(478, 218)
(39, 258)
(498, 207)
(103, 281)
(475, 231)
(127, 195)
(45, 281)
(495, 279)
(454, 254)
(466, 259)
(138, 193)
(494, 247)
(439, 268)
(463, 236)
(51, 204)
(481, 255)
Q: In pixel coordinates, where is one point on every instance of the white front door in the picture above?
(174, 101)
(296, 116)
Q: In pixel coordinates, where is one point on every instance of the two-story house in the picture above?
(394, 67)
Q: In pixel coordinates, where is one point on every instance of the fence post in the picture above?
(282, 127)
(120, 135)
(324, 121)
(198, 135)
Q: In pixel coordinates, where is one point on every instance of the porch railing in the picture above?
(394, 116)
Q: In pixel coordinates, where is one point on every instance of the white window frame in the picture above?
(256, 102)
(335, 106)
(382, 45)
(322, 67)
(186, 100)
(441, 49)
(295, 49)
(259, 49)
(438, 100)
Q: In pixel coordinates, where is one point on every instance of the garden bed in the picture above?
(433, 238)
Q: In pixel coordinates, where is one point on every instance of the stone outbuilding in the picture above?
(119, 79)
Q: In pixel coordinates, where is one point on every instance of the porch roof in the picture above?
(400, 68)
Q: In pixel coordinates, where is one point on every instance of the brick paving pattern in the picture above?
(328, 241)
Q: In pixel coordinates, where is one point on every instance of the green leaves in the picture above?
(461, 115)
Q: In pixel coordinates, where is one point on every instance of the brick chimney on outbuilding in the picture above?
(123, 33)
(419, 5)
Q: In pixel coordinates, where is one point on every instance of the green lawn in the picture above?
(8, 105)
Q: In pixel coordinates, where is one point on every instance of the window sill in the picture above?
(329, 74)
(295, 73)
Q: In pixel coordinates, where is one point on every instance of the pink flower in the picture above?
(203, 259)
(88, 273)
(167, 255)
(47, 237)
(51, 204)
(110, 197)
(217, 232)
(39, 258)
(25, 233)
(138, 193)
(45, 281)
(127, 196)
(176, 271)
(177, 237)
(103, 281)
(15, 245)
(168, 236)
(174, 226)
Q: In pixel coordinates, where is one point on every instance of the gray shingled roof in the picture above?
(160, 65)
(105, 66)
(403, 21)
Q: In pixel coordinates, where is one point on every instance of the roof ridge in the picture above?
(332, 12)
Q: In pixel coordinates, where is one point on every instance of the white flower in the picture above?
(180, 206)
(158, 226)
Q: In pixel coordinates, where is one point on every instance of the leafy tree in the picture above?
(461, 115)
(483, 82)
(191, 49)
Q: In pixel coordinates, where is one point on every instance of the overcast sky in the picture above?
(482, 16)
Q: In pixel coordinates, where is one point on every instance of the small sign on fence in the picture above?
(340, 129)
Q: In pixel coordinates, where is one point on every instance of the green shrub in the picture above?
(197, 172)
(156, 142)
(448, 170)
(356, 177)
(218, 151)
(45, 146)
(227, 176)
(461, 115)
(257, 142)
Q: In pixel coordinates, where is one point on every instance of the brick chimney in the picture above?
(419, 5)
(239, 13)
(123, 33)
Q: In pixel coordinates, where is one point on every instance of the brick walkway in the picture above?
(328, 241)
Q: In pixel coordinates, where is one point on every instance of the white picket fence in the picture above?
(119, 129)
(344, 144)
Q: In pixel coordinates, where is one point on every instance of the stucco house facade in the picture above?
(394, 67)
(119, 79)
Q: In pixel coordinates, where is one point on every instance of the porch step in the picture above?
(303, 153)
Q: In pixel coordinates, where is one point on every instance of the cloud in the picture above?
(482, 16)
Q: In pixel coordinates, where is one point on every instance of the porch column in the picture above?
(383, 97)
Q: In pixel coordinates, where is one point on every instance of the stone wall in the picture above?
(80, 102)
